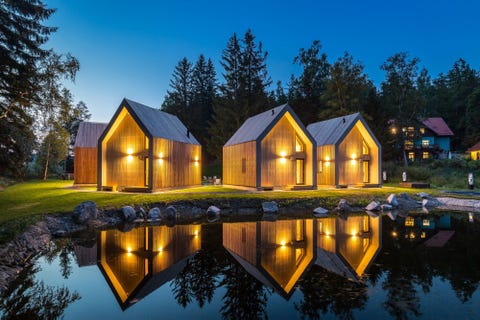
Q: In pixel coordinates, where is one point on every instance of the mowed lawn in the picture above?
(58, 196)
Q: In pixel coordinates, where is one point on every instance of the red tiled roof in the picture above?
(476, 147)
(438, 126)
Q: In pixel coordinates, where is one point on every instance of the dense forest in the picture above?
(39, 120)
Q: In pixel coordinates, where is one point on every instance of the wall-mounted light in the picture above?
(129, 154)
(354, 158)
(283, 154)
(196, 161)
(160, 158)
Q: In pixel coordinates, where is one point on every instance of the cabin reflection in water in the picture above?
(347, 247)
(276, 253)
(137, 262)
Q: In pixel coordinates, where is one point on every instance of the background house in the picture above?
(347, 152)
(426, 139)
(474, 151)
(270, 150)
(145, 149)
(86, 153)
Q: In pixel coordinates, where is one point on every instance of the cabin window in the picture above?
(365, 149)
(299, 146)
(244, 165)
(425, 155)
(422, 130)
(320, 166)
(408, 144)
(425, 143)
(146, 142)
(411, 156)
(366, 171)
(411, 131)
(300, 172)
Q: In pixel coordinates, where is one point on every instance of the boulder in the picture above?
(392, 199)
(212, 210)
(423, 195)
(140, 212)
(171, 212)
(430, 202)
(386, 207)
(84, 212)
(320, 212)
(270, 207)
(343, 206)
(154, 214)
(373, 206)
(128, 214)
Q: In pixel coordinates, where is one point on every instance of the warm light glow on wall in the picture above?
(283, 243)
(327, 159)
(129, 158)
(196, 161)
(354, 232)
(354, 156)
(129, 151)
(129, 249)
(283, 154)
(394, 234)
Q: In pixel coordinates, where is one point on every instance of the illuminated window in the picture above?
(425, 143)
(422, 130)
(411, 156)
(365, 149)
(299, 146)
(394, 130)
(411, 131)
(426, 222)
(409, 222)
(408, 144)
(425, 155)
(320, 166)
(146, 142)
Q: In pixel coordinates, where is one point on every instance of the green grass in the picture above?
(24, 203)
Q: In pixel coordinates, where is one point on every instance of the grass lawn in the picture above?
(24, 203)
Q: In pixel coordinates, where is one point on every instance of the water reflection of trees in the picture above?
(29, 299)
(408, 267)
(325, 292)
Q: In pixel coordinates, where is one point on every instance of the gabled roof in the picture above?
(159, 124)
(88, 134)
(438, 126)
(332, 131)
(256, 127)
(475, 147)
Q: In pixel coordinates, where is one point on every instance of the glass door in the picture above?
(300, 171)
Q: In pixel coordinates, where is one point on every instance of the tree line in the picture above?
(214, 109)
(38, 118)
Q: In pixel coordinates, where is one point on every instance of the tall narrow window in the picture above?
(146, 163)
(300, 171)
(366, 171)
(299, 146)
(365, 149)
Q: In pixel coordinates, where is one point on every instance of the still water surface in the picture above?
(357, 267)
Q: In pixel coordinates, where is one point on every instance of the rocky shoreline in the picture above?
(17, 254)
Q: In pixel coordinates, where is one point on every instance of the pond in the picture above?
(397, 266)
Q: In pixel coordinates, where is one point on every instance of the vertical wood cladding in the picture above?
(85, 165)
(235, 159)
(278, 171)
(175, 164)
(349, 152)
(124, 169)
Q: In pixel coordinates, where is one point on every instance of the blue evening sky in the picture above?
(130, 48)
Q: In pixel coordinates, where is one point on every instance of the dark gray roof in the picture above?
(88, 134)
(160, 124)
(255, 126)
(333, 130)
(333, 263)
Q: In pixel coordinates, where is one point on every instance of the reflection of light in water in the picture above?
(394, 234)
(283, 243)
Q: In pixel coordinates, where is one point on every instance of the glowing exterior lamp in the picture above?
(327, 161)
(283, 243)
(129, 154)
(283, 154)
(354, 158)
(160, 157)
(195, 161)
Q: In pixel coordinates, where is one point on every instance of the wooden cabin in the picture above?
(145, 149)
(138, 262)
(270, 150)
(347, 152)
(474, 151)
(86, 152)
(276, 253)
(348, 247)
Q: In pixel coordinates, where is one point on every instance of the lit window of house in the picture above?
(409, 222)
(411, 156)
(425, 143)
(408, 144)
(422, 130)
(425, 155)
(299, 147)
(411, 131)
(394, 130)
(426, 222)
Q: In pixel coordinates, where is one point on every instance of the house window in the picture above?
(408, 144)
(320, 166)
(411, 156)
(411, 131)
(244, 165)
(425, 143)
(409, 222)
(422, 130)
(425, 155)
(365, 149)
(299, 146)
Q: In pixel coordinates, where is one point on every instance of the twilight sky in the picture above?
(130, 48)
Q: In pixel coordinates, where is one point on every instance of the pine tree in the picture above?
(305, 92)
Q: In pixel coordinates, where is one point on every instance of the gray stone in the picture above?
(320, 212)
(343, 206)
(140, 212)
(269, 207)
(171, 212)
(212, 210)
(430, 202)
(154, 214)
(386, 207)
(128, 214)
(423, 195)
(392, 199)
(84, 212)
(373, 206)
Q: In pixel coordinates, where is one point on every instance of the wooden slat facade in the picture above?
(240, 165)
(175, 164)
(85, 165)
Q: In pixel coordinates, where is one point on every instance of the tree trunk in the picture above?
(45, 172)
